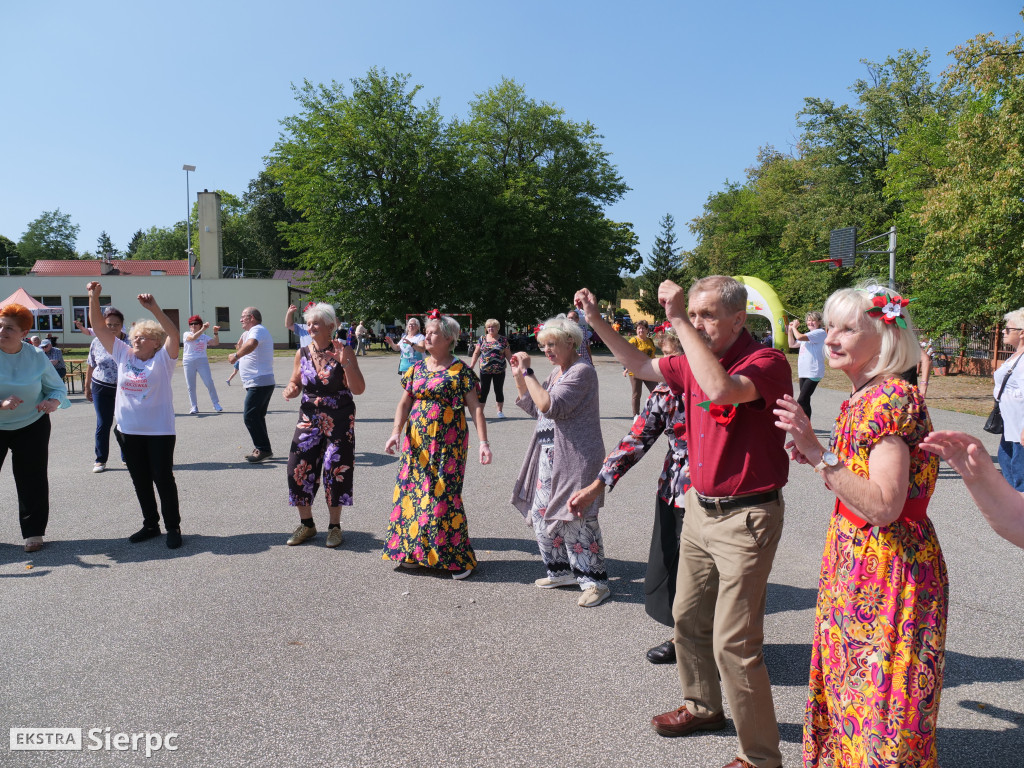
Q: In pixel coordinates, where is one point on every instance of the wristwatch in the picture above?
(528, 372)
(828, 459)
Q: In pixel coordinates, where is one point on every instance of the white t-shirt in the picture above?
(257, 367)
(196, 348)
(144, 404)
(811, 362)
(1011, 404)
(302, 331)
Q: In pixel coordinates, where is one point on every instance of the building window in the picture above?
(54, 322)
(223, 318)
(80, 309)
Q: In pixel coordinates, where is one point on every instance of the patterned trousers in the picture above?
(575, 545)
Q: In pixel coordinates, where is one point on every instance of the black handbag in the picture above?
(994, 422)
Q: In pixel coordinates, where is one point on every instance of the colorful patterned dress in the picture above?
(665, 414)
(880, 629)
(428, 522)
(324, 442)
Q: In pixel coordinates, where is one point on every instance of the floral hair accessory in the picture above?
(434, 314)
(890, 309)
(661, 328)
(309, 306)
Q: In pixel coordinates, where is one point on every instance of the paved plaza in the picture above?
(260, 654)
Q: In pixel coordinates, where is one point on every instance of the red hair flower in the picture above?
(434, 314)
(889, 309)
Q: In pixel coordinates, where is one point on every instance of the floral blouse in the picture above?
(664, 413)
(894, 407)
(492, 355)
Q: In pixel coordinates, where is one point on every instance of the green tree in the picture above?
(134, 243)
(104, 247)
(163, 243)
(267, 213)
(9, 254)
(973, 215)
(51, 236)
(368, 173)
(539, 186)
(664, 264)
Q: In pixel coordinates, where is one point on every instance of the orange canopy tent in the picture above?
(20, 296)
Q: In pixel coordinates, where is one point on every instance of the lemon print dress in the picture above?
(428, 521)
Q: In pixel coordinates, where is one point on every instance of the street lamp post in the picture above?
(188, 233)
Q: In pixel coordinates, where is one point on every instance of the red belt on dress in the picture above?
(914, 510)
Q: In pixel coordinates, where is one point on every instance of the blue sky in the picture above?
(103, 102)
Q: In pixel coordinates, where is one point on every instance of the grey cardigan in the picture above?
(579, 448)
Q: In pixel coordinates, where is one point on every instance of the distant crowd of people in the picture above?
(723, 400)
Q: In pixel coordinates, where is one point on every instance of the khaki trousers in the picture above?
(725, 559)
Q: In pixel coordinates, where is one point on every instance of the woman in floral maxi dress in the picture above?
(327, 375)
(428, 521)
(883, 597)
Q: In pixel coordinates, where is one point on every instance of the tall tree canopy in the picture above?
(664, 264)
(51, 236)
(500, 214)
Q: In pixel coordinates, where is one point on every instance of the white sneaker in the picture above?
(460, 575)
(501, 415)
(218, 409)
(99, 467)
(193, 412)
(593, 596)
(565, 580)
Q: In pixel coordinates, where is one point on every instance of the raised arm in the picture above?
(721, 387)
(288, 317)
(1001, 505)
(635, 361)
(172, 342)
(99, 328)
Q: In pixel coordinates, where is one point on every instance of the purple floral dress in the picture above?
(324, 442)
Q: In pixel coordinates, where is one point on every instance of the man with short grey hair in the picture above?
(255, 353)
(729, 385)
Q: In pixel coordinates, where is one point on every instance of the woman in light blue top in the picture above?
(30, 390)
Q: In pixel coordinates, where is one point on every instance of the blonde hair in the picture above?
(148, 329)
(669, 335)
(562, 328)
(492, 323)
(449, 328)
(899, 350)
(1015, 318)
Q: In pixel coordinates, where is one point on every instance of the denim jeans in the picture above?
(254, 414)
(1011, 461)
(103, 397)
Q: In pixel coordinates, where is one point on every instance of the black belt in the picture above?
(735, 502)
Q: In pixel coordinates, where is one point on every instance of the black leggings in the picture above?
(807, 387)
(30, 452)
(499, 387)
(150, 460)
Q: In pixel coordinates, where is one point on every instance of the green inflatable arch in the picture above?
(762, 300)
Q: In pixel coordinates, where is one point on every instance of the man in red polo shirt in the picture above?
(734, 511)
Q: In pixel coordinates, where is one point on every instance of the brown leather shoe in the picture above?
(680, 722)
(739, 762)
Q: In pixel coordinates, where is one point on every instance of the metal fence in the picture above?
(975, 350)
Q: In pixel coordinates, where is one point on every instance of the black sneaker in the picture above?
(174, 538)
(257, 456)
(144, 535)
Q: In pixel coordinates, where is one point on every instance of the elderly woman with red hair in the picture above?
(30, 390)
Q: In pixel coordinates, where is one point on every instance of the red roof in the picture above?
(98, 268)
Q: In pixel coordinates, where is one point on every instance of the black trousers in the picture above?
(499, 387)
(30, 452)
(150, 460)
(807, 387)
(663, 563)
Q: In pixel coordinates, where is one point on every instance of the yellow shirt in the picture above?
(644, 345)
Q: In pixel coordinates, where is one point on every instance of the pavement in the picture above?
(259, 654)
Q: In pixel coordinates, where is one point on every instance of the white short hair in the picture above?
(1015, 318)
(899, 350)
(323, 312)
(448, 326)
(562, 328)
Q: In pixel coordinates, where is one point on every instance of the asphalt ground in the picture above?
(260, 654)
